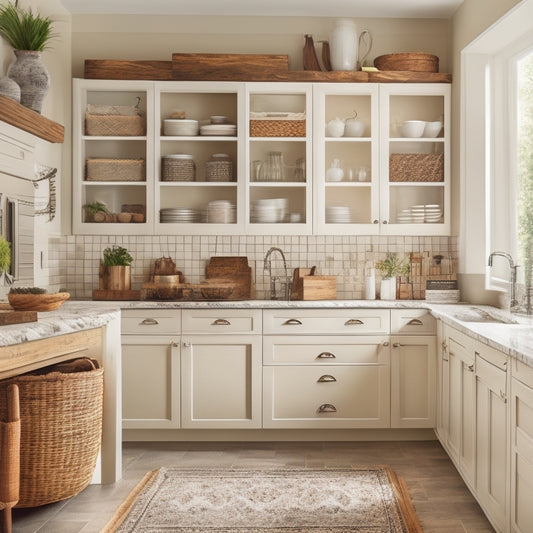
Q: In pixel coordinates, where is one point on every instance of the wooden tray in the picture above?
(106, 294)
(9, 316)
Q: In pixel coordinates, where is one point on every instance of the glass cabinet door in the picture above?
(346, 164)
(415, 159)
(278, 158)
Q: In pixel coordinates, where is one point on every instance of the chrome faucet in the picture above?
(512, 280)
(267, 266)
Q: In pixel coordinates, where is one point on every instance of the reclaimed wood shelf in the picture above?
(115, 69)
(30, 121)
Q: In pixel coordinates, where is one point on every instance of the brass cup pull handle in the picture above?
(292, 322)
(327, 408)
(326, 355)
(326, 378)
(149, 322)
(415, 322)
(221, 322)
(354, 322)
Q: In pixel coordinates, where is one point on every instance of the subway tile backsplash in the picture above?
(74, 260)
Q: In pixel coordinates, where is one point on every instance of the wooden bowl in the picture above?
(410, 61)
(37, 302)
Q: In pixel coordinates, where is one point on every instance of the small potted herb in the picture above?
(390, 267)
(95, 212)
(115, 269)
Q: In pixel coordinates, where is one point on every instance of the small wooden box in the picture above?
(307, 286)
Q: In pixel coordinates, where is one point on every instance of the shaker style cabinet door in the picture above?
(150, 382)
(221, 381)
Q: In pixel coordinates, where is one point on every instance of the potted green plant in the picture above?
(5, 261)
(390, 267)
(115, 269)
(95, 212)
(29, 34)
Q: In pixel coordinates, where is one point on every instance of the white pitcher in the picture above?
(344, 45)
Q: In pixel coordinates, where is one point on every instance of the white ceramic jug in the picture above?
(344, 45)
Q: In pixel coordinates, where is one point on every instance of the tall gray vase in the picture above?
(30, 73)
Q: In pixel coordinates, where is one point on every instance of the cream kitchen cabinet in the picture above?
(413, 369)
(492, 457)
(443, 384)
(461, 397)
(278, 183)
(221, 368)
(521, 448)
(326, 368)
(151, 368)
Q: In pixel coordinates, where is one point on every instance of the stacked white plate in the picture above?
(221, 212)
(419, 214)
(219, 129)
(269, 210)
(179, 215)
(338, 214)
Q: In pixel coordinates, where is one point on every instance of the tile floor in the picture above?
(442, 501)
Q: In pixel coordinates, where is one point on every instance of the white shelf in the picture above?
(201, 138)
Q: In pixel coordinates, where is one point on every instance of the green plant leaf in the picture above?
(117, 256)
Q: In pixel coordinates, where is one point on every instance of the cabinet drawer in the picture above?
(222, 321)
(493, 356)
(412, 322)
(151, 321)
(327, 321)
(494, 377)
(328, 396)
(326, 350)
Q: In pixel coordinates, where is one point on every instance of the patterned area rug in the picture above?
(175, 500)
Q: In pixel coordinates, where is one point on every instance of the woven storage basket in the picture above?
(115, 125)
(219, 169)
(410, 61)
(277, 128)
(178, 169)
(61, 429)
(416, 167)
(98, 169)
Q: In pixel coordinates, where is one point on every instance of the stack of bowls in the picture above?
(269, 210)
(180, 127)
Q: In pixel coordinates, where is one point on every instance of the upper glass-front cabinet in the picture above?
(415, 159)
(260, 158)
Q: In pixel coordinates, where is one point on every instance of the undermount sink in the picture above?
(474, 314)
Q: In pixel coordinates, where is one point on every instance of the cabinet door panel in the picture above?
(150, 382)
(221, 381)
(326, 396)
(413, 384)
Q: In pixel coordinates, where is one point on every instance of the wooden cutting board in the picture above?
(107, 294)
(9, 316)
(234, 270)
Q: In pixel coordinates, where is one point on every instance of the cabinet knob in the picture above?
(354, 322)
(326, 378)
(444, 345)
(503, 396)
(327, 408)
(470, 368)
(397, 345)
(187, 344)
(386, 343)
(292, 322)
(221, 322)
(149, 322)
(415, 322)
(174, 344)
(326, 355)
(375, 222)
(385, 222)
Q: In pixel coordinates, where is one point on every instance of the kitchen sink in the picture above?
(475, 314)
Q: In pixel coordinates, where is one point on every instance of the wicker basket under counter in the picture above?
(110, 169)
(416, 168)
(178, 167)
(277, 124)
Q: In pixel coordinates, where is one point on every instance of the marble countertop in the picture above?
(515, 338)
(70, 317)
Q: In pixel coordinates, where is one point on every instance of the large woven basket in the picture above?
(115, 125)
(102, 169)
(416, 167)
(61, 429)
(277, 128)
(410, 61)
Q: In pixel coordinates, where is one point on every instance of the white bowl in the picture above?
(432, 129)
(412, 128)
(181, 127)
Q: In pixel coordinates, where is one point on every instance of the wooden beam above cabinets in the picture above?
(28, 120)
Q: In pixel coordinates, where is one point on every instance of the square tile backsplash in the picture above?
(74, 260)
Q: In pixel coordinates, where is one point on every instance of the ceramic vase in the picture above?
(388, 288)
(9, 88)
(343, 45)
(31, 74)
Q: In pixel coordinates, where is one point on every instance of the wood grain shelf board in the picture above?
(111, 69)
(30, 121)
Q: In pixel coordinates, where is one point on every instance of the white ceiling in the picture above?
(305, 8)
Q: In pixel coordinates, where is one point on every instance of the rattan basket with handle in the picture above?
(61, 429)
